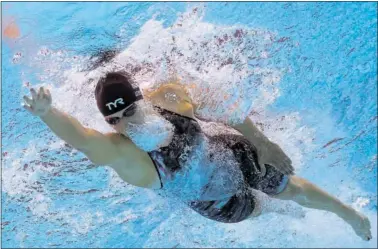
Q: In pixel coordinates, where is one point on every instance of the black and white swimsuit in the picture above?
(213, 174)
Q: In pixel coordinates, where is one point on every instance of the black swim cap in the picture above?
(115, 92)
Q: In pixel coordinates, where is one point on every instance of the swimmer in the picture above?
(156, 134)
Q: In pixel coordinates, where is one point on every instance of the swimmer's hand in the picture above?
(40, 103)
(270, 153)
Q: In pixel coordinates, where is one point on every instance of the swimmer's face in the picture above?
(143, 125)
(120, 120)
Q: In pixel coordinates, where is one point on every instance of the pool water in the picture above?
(306, 73)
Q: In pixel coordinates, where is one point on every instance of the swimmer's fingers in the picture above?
(286, 166)
(288, 160)
(289, 172)
(263, 169)
(292, 170)
(33, 93)
(41, 92)
(28, 101)
(283, 168)
(28, 108)
(48, 95)
(288, 169)
(289, 165)
(281, 159)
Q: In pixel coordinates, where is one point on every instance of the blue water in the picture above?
(324, 55)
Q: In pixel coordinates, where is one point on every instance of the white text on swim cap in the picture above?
(109, 105)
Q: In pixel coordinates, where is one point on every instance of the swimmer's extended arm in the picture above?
(98, 147)
(268, 152)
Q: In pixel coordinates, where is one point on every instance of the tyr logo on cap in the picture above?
(110, 104)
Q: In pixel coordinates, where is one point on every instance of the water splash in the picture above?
(230, 64)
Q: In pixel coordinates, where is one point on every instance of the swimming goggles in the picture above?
(128, 112)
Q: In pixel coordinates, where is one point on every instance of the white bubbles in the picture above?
(151, 131)
(212, 61)
(226, 70)
(210, 172)
(40, 205)
(362, 202)
(221, 66)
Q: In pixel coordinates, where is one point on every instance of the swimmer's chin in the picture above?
(166, 142)
(148, 146)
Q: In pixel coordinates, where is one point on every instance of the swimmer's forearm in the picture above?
(66, 127)
(251, 132)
